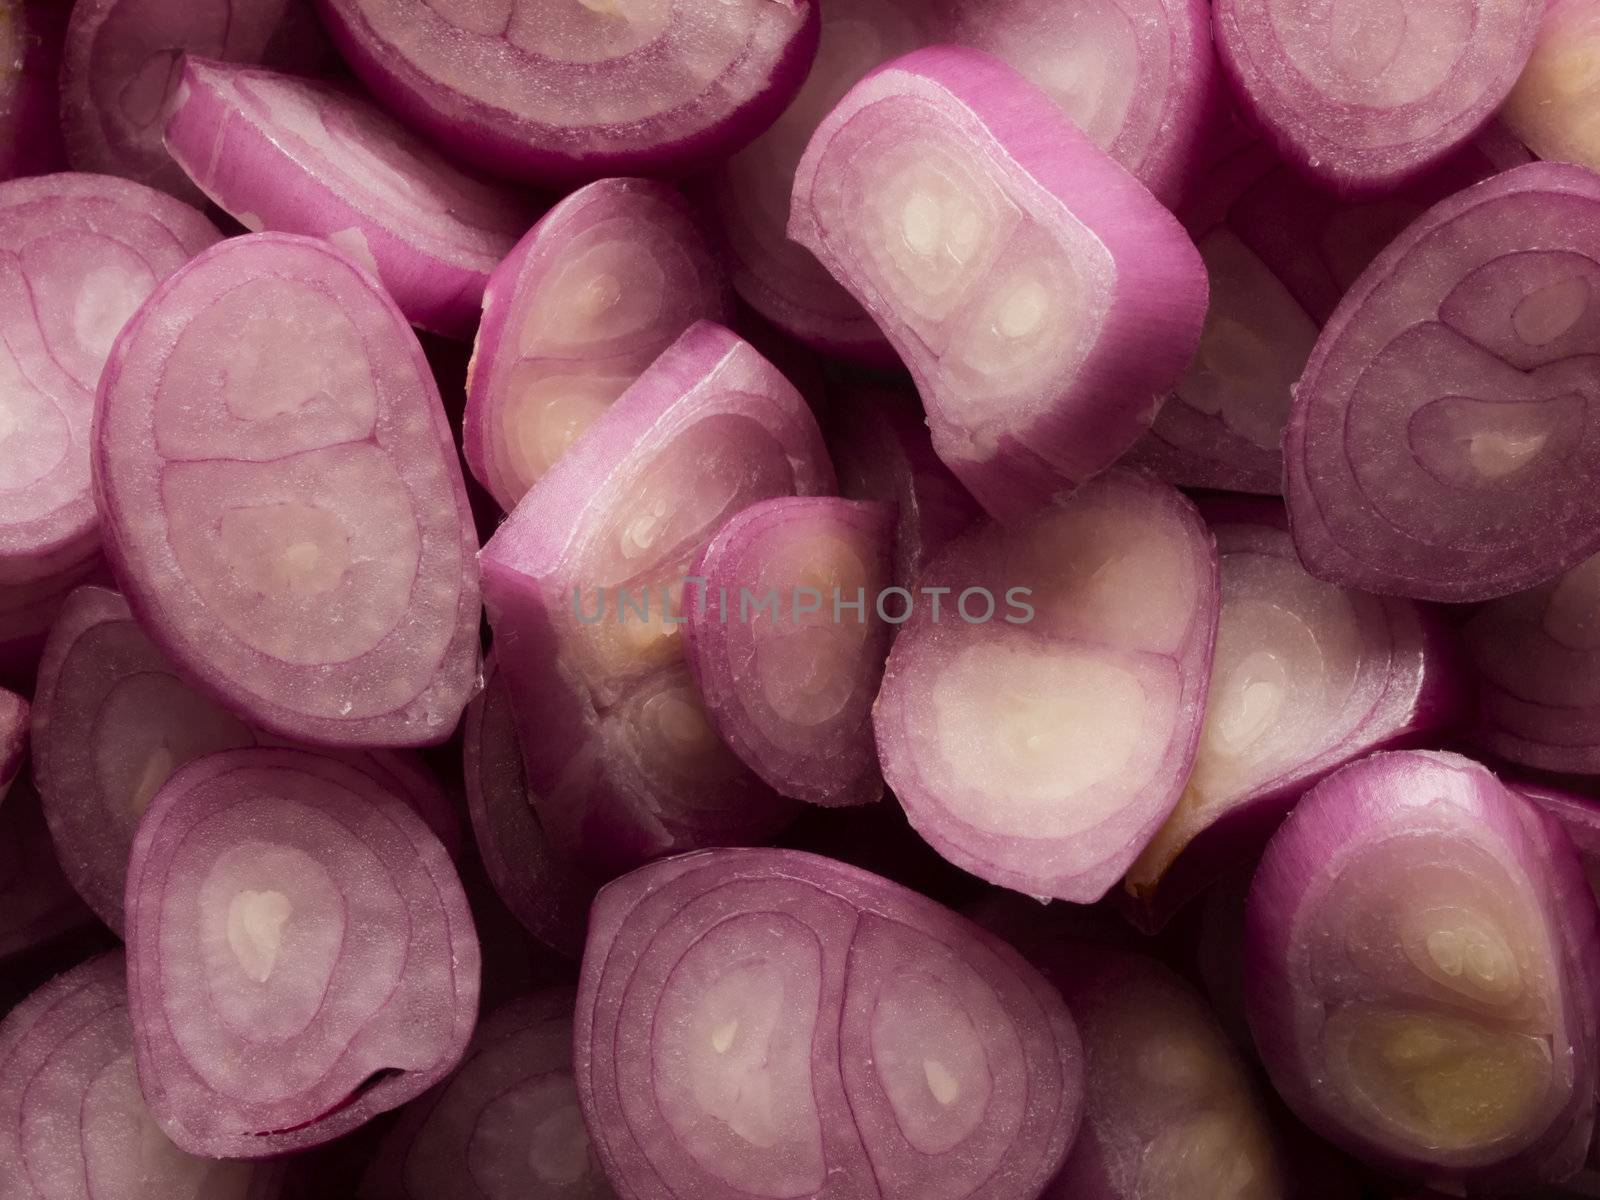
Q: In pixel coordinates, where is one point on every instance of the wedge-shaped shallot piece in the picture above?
(1422, 953)
(1553, 105)
(1041, 297)
(283, 503)
(881, 451)
(1367, 94)
(1170, 1110)
(78, 255)
(1536, 656)
(31, 37)
(541, 889)
(73, 1125)
(586, 586)
(122, 66)
(300, 953)
(772, 1023)
(786, 639)
(596, 290)
(507, 1123)
(1306, 677)
(1280, 255)
(1445, 439)
(583, 90)
(37, 904)
(112, 720)
(1040, 726)
(297, 156)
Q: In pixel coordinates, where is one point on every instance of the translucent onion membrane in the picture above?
(1536, 656)
(1170, 1109)
(585, 586)
(770, 1023)
(1280, 255)
(122, 65)
(78, 255)
(282, 499)
(1422, 952)
(602, 285)
(1444, 442)
(300, 953)
(1368, 94)
(581, 88)
(1042, 748)
(1306, 677)
(73, 1125)
(112, 720)
(1552, 108)
(1138, 78)
(507, 1124)
(37, 904)
(787, 644)
(543, 891)
(1040, 296)
(298, 156)
(881, 451)
(31, 36)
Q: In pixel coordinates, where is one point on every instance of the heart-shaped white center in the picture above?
(255, 931)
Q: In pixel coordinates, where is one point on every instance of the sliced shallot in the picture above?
(770, 1023)
(1040, 728)
(300, 953)
(1041, 297)
(1553, 105)
(282, 499)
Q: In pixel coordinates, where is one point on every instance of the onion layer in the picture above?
(580, 90)
(1365, 95)
(1040, 296)
(122, 65)
(113, 720)
(1552, 107)
(1423, 954)
(282, 499)
(770, 1023)
(588, 299)
(73, 1125)
(300, 953)
(787, 646)
(585, 585)
(1042, 746)
(298, 156)
(544, 892)
(506, 1124)
(1306, 677)
(1444, 442)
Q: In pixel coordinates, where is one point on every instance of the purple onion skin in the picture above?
(1535, 658)
(376, 990)
(1365, 142)
(403, 51)
(792, 693)
(875, 1012)
(623, 765)
(1147, 113)
(1440, 445)
(1340, 955)
(506, 1123)
(606, 281)
(37, 904)
(1042, 355)
(881, 449)
(72, 1123)
(299, 156)
(983, 728)
(291, 396)
(1371, 673)
(1170, 1108)
(545, 893)
(1280, 254)
(31, 36)
(121, 69)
